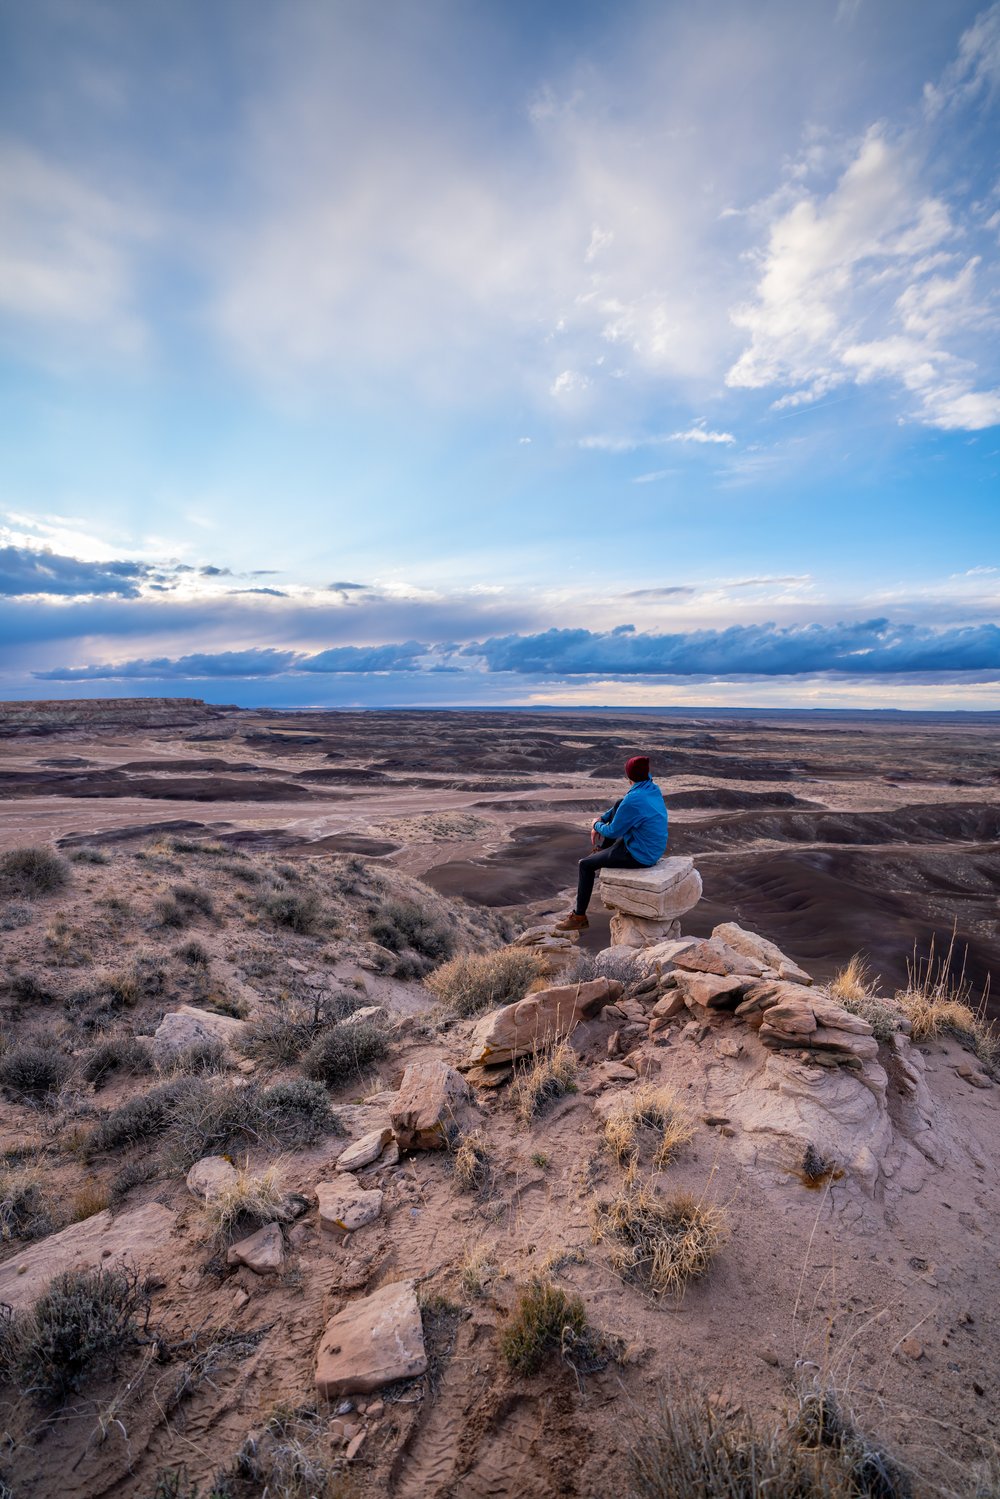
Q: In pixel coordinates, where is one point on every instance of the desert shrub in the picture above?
(132, 1174)
(125, 1054)
(297, 910)
(203, 1057)
(25, 1211)
(211, 1118)
(284, 1031)
(87, 854)
(170, 913)
(195, 954)
(823, 1428)
(27, 989)
(853, 988)
(344, 1051)
(298, 1112)
(79, 1328)
(548, 1077)
(471, 1163)
(33, 1071)
(647, 1108)
(664, 1242)
(544, 1319)
(194, 899)
(936, 1001)
(474, 982)
(27, 873)
(688, 1448)
(144, 1118)
(14, 914)
(617, 966)
(253, 1199)
(852, 982)
(401, 924)
(289, 1459)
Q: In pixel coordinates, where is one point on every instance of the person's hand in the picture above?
(594, 835)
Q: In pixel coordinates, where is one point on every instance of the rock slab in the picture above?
(433, 1104)
(660, 893)
(372, 1342)
(98, 1241)
(365, 1150)
(263, 1252)
(345, 1205)
(539, 1020)
(187, 1026)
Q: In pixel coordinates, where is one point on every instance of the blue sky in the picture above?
(482, 353)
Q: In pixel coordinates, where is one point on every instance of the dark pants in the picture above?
(613, 856)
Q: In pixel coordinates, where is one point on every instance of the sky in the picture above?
(463, 352)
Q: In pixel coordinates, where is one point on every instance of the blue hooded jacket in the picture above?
(641, 819)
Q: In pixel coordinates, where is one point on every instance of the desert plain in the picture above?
(280, 869)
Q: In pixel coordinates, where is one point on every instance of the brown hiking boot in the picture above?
(571, 923)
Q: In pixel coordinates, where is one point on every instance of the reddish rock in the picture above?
(372, 1342)
(432, 1105)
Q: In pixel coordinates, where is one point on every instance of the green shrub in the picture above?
(142, 1118)
(474, 982)
(27, 873)
(282, 1033)
(298, 1112)
(401, 924)
(299, 911)
(344, 1051)
(125, 1054)
(79, 1328)
(544, 1319)
(33, 1071)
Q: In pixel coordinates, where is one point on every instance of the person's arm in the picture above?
(625, 817)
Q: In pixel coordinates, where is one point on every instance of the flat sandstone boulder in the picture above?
(262, 1252)
(210, 1177)
(187, 1026)
(661, 893)
(99, 1241)
(372, 1342)
(433, 1104)
(366, 1150)
(538, 1020)
(345, 1205)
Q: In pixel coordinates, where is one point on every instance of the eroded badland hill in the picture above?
(329, 1168)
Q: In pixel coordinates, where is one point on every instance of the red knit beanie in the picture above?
(637, 769)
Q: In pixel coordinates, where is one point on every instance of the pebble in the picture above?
(912, 1349)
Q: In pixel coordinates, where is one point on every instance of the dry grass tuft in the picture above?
(689, 1448)
(250, 1201)
(93, 1197)
(936, 1002)
(853, 982)
(471, 1164)
(664, 1241)
(479, 1268)
(547, 1078)
(653, 1109)
(474, 982)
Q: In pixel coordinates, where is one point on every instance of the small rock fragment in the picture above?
(263, 1252)
(365, 1150)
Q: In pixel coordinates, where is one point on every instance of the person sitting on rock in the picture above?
(631, 834)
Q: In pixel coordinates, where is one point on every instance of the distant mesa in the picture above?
(50, 715)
